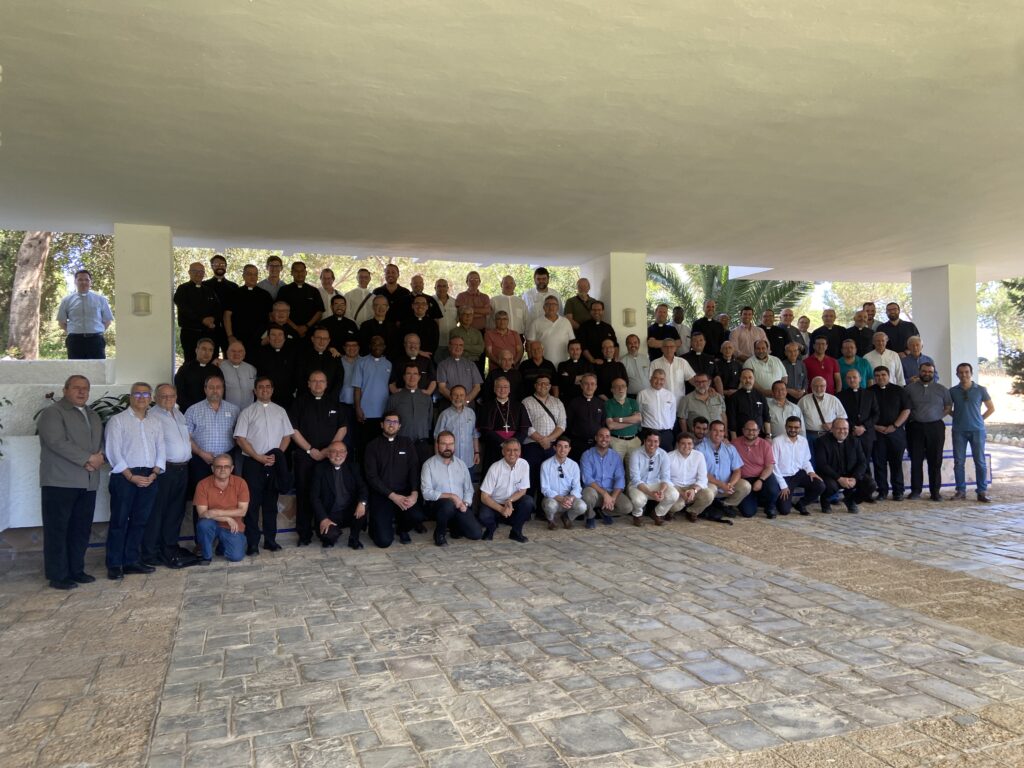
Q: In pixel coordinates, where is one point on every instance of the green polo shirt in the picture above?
(613, 410)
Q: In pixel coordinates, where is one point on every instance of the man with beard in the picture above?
(318, 420)
(778, 337)
(637, 365)
(793, 469)
(192, 375)
(448, 492)
(224, 289)
(930, 403)
(304, 300)
(339, 327)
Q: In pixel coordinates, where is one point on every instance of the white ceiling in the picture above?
(824, 138)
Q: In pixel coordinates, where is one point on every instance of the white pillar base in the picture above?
(945, 312)
(143, 263)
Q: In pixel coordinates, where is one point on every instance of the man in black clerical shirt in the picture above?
(275, 361)
(190, 380)
(318, 420)
(247, 312)
(422, 325)
(338, 326)
(594, 331)
(584, 415)
(392, 474)
(890, 434)
(566, 385)
(778, 337)
(711, 328)
(746, 404)
(861, 409)
(699, 359)
(198, 309)
(320, 357)
(304, 300)
(339, 498)
(224, 289)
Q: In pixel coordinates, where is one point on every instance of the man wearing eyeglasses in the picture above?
(160, 540)
(561, 489)
(650, 480)
(221, 503)
(135, 450)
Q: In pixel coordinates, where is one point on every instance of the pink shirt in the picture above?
(756, 457)
(743, 339)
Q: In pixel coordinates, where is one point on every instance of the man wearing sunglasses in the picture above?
(561, 488)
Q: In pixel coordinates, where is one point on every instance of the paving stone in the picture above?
(390, 757)
(227, 756)
(431, 735)
(250, 723)
(461, 758)
(745, 735)
(715, 672)
(798, 719)
(672, 680)
(327, 724)
(588, 735)
(487, 674)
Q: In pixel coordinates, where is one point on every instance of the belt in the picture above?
(84, 335)
(176, 463)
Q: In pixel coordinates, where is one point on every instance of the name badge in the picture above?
(401, 453)
(331, 413)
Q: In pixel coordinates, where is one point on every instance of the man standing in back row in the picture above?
(930, 403)
(84, 315)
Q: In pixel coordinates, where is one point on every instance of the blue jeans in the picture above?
(767, 496)
(234, 544)
(129, 510)
(976, 439)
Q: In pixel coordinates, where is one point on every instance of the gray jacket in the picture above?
(66, 442)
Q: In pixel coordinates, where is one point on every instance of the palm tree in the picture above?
(690, 285)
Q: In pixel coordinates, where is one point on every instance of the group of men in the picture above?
(382, 409)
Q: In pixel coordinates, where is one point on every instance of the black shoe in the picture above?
(64, 584)
(729, 511)
(826, 508)
(204, 561)
(83, 578)
(913, 496)
(801, 507)
(591, 523)
(138, 568)
(115, 574)
(770, 514)
(983, 498)
(518, 537)
(869, 500)
(897, 497)
(271, 546)
(488, 534)
(441, 542)
(935, 497)
(419, 528)
(853, 509)
(252, 549)
(355, 544)
(606, 519)
(881, 495)
(304, 542)
(405, 538)
(325, 543)
(152, 562)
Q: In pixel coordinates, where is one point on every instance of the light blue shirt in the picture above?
(372, 377)
(648, 470)
(436, 478)
(607, 471)
(348, 367)
(463, 426)
(213, 431)
(967, 405)
(134, 442)
(177, 447)
(911, 366)
(723, 463)
(565, 483)
(85, 312)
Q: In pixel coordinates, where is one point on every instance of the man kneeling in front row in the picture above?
(221, 502)
(843, 466)
(338, 496)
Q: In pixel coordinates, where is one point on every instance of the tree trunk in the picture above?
(26, 292)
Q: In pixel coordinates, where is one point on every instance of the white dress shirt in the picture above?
(134, 442)
(555, 335)
(677, 372)
(534, 301)
(638, 368)
(657, 408)
(830, 407)
(518, 316)
(790, 457)
(177, 445)
(502, 480)
(689, 470)
(264, 425)
(890, 360)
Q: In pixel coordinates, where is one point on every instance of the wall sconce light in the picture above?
(629, 317)
(141, 304)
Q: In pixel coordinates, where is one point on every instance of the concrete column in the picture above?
(945, 312)
(143, 263)
(620, 281)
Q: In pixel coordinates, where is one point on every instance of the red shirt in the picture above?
(210, 496)
(827, 368)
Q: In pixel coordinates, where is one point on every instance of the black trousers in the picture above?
(812, 491)
(220, 341)
(521, 514)
(862, 491)
(925, 441)
(251, 342)
(450, 519)
(887, 456)
(67, 524)
(303, 468)
(265, 485)
(534, 455)
(345, 519)
(160, 539)
(386, 517)
(86, 346)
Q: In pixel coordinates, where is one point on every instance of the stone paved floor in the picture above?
(883, 639)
